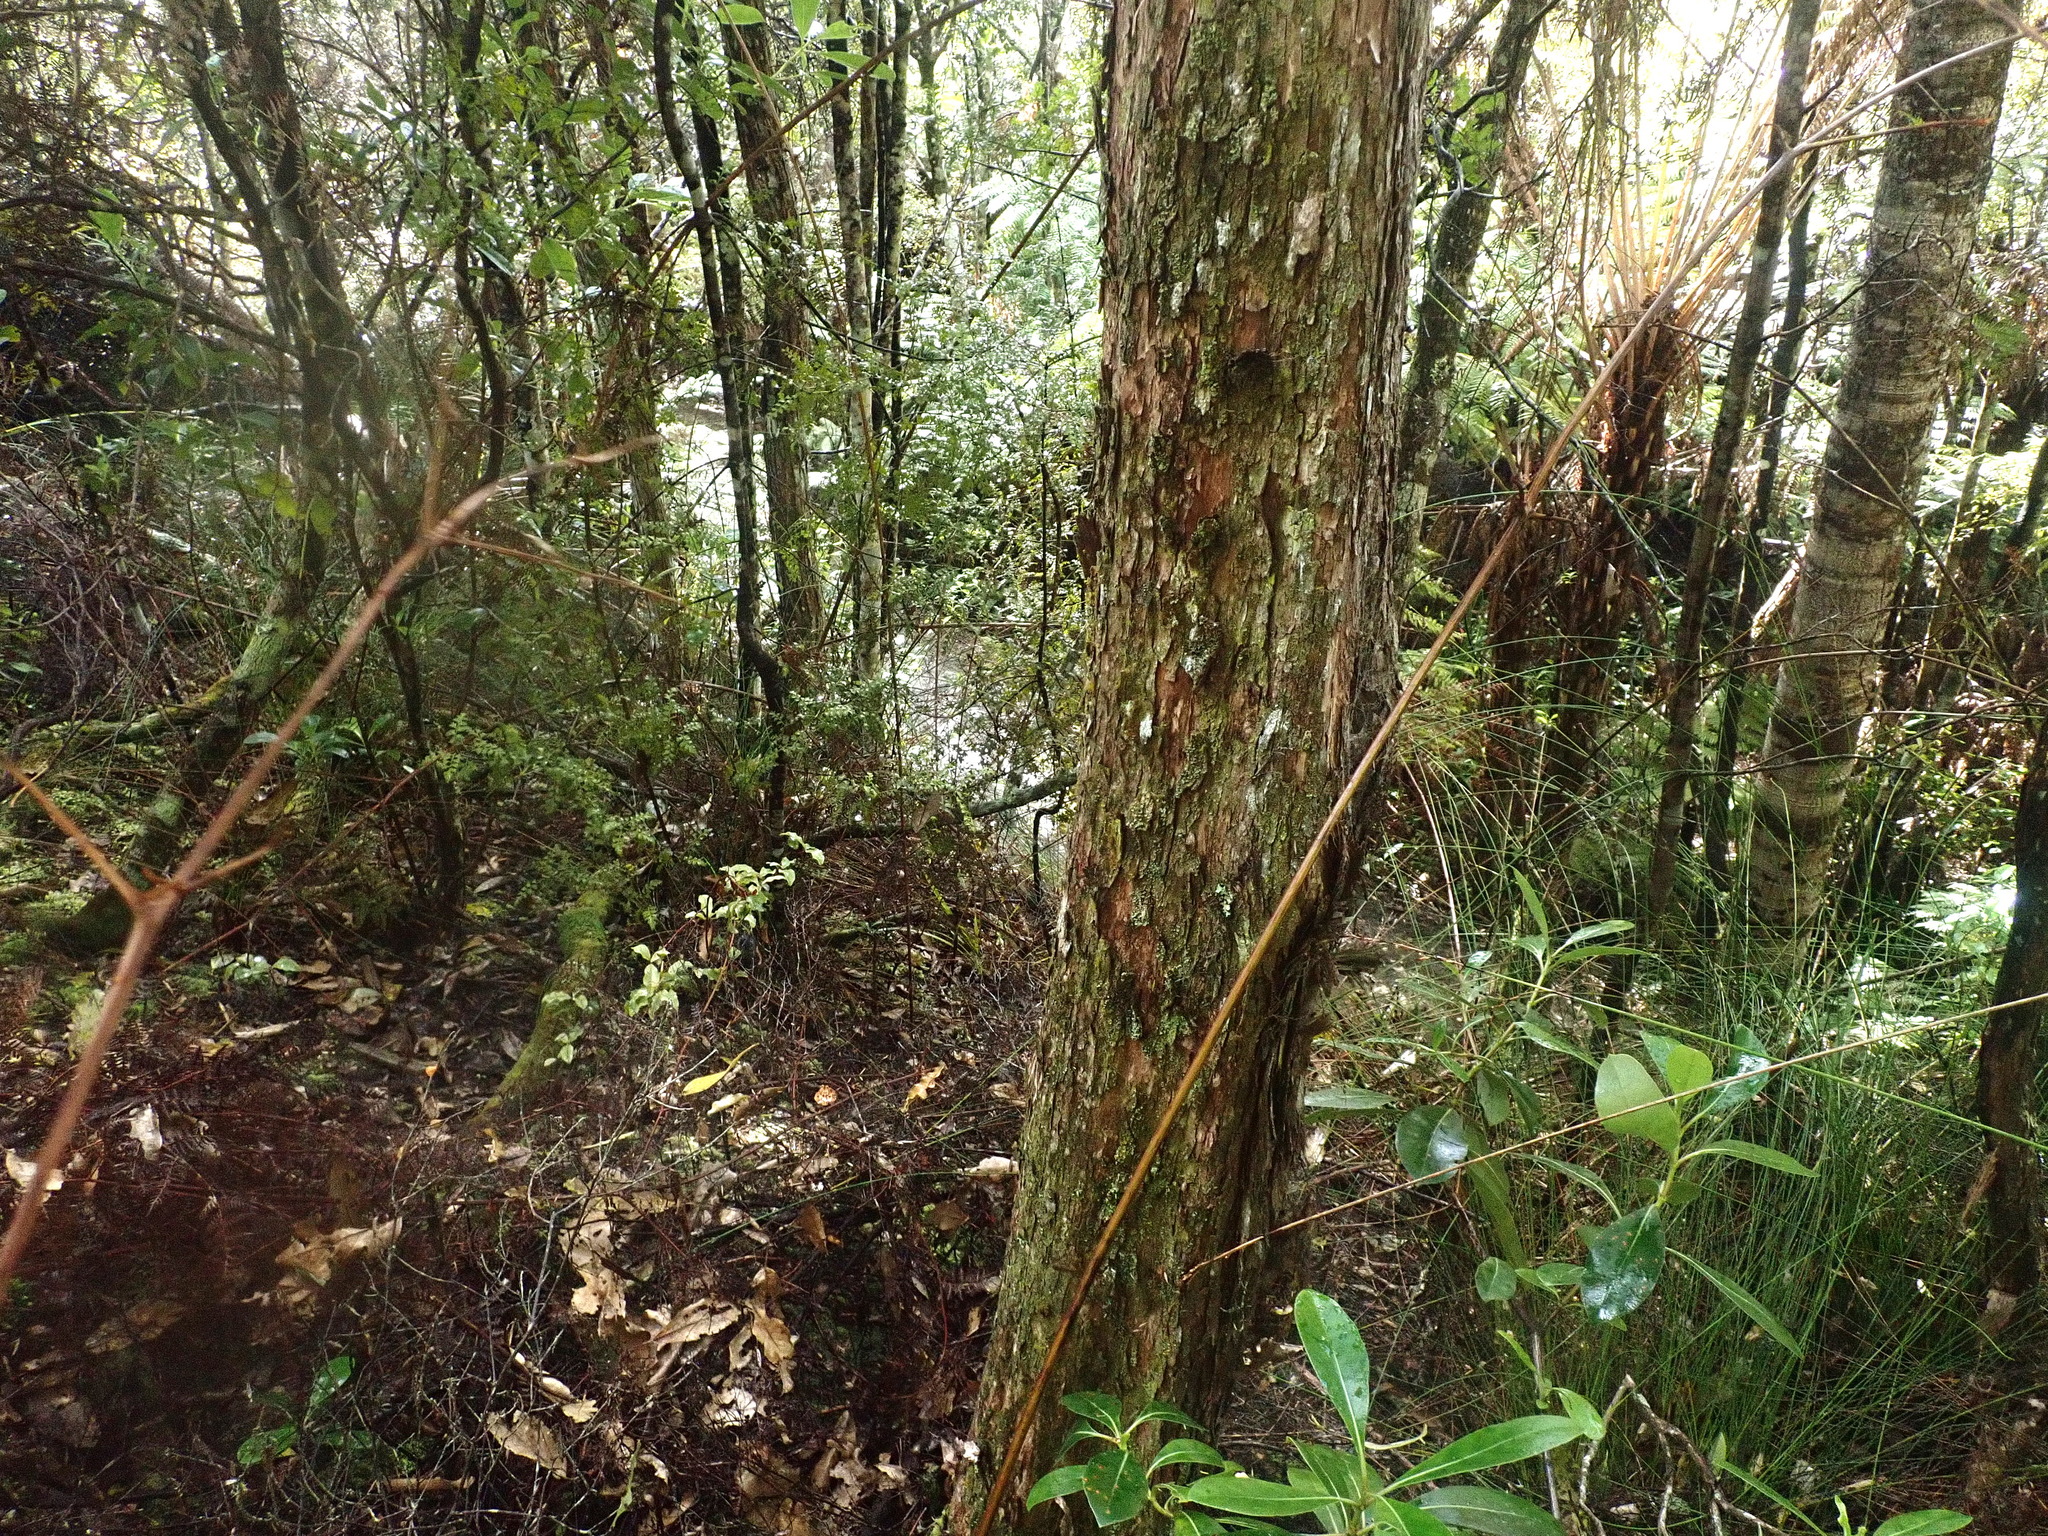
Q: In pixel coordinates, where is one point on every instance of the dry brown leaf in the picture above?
(601, 1295)
(947, 1216)
(729, 1408)
(23, 1171)
(810, 1226)
(922, 1088)
(771, 1497)
(529, 1438)
(581, 1411)
(778, 1344)
(142, 1322)
(319, 1255)
(682, 1337)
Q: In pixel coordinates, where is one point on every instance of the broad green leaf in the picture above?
(1687, 1071)
(1750, 1152)
(1623, 1261)
(1587, 952)
(1430, 1140)
(1748, 1305)
(1115, 1485)
(803, 14)
(1494, 1446)
(1338, 1356)
(1240, 1495)
(1591, 931)
(1192, 1522)
(1750, 1056)
(1330, 1512)
(1534, 903)
(1086, 1430)
(1056, 1484)
(1099, 1406)
(1496, 1100)
(1553, 1277)
(552, 259)
(1489, 1182)
(1923, 1522)
(1681, 1193)
(1346, 1100)
(1186, 1453)
(1585, 1176)
(1333, 1469)
(1488, 1510)
(736, 15)
(1408, 1519)
(1156, 1412)
(328, 1380)
(1582, 1413)
(1495, 1280)
(1626, 1096)
(1539, 1031)
(1526, 1101)
(835, 30)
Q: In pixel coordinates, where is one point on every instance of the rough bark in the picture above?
(1930, 190)
(1752, 582)
(1745, 349)
(1243, 627)
(490, 297)
(2021, 534)
(785, 335)
(856, 242)
(2008, 1068)
(1443, 310)
(698, 158)
(2008, 1056)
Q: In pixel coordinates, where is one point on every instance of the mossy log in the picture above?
(569, 996)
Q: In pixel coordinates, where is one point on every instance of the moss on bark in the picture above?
(567, 999)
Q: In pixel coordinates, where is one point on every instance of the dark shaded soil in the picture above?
(162, 1369)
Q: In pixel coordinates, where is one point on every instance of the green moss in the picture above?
(570, 996)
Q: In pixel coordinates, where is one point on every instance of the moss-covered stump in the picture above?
(569, 997)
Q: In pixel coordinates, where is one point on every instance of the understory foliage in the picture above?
(591, 1103)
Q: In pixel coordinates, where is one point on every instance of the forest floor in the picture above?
(303, 1276)
(736, 1274)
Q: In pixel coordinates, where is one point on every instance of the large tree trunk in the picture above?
(699, 159)
(1444, 307)
(785, 337)
(2008, 1102)
(1257, 179)
(1710, 519)
(253, 123)
(856, 243)
(2007, 1059)
(1752, 584)
(1937, 159)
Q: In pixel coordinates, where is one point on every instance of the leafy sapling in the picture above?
(1345, 1490)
